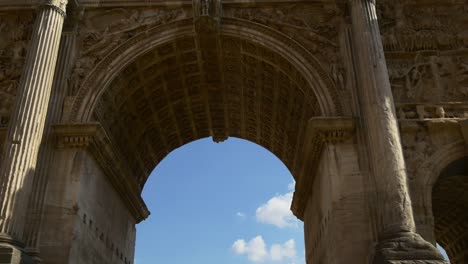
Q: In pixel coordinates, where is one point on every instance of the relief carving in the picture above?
(313, 26)
(417, 147)
(432, 79)
(411, 27)
(14, 37)
(103, 31)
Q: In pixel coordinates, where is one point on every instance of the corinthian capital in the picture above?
(60, 5)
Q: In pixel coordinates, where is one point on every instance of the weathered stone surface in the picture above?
(311, 81)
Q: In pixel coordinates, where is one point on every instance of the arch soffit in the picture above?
(107, 69)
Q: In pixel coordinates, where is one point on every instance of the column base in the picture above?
(406, 248)
(11, 253)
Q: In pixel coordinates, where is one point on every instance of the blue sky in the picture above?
(220, 203)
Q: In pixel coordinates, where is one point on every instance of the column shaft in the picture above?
(28, 118)
(379, 120)
(398, 242)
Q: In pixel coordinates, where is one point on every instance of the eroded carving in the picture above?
(429, 78)
(15, 32)
(314, 26)
(407, 26)
(102, 31)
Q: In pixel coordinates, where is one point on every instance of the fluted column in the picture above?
(46, 154)
(378, 121)
(26, 126)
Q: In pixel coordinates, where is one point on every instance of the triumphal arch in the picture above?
(365, 101)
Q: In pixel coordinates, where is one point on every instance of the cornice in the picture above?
(93, 137)
(74, 135)
(320, 132)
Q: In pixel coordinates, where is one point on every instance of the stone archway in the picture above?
(304, 63)
(162, 74)
(176, 84)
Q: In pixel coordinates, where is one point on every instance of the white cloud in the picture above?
(240, 215)
(277, 211)
(291, 186)
(278, 252)
(256, 250)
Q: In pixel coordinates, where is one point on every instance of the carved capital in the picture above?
(320, 132)
(74, 135)
(59, 5)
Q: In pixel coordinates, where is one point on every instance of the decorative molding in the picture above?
(74, 135)
(320, 132)
(93, 137)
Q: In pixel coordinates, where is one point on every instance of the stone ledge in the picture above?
(320, 131)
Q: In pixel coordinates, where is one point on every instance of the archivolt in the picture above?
(101, 76)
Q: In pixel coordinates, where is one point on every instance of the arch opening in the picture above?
(184, 90)
(450, 210)
(226, 194)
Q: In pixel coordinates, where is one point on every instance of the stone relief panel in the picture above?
(313, 25)
(422, 139)
(429, 79)
(15, 33)
(427, 50)
(416, 26)
(102, 30)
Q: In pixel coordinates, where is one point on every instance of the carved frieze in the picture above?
(426, 49)
(429, 78)
(15, 32)
(413, 26)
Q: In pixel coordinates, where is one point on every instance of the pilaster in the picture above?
(398, 241)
